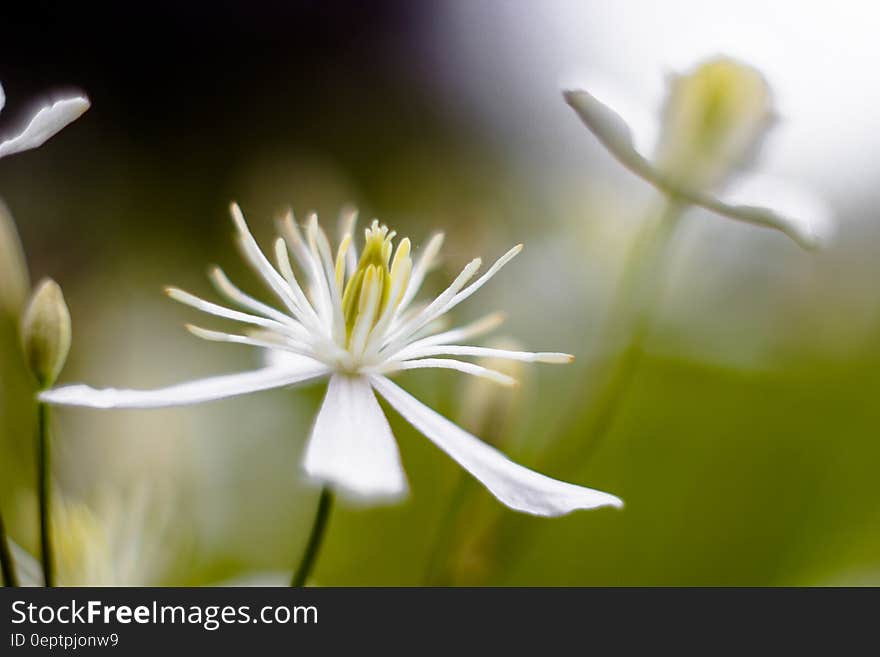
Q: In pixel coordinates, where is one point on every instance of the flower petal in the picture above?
(484, 352)
(610, 129)
(192, 392)
(352, 446)
(446, 364)
(807, 216)
(46, 122)
(290, 327)
(420, 270)
(484, 325)
(519, 488)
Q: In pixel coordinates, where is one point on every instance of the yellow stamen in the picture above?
(373, 276)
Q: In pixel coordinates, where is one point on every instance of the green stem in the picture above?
(7, 565)
(44, 487)
(642, 287)
(319, 528)
(438, 561)
(632, 316)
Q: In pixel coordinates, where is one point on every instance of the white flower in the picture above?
(45, 123)
(714, 119)
(356, 323)
(121, 540)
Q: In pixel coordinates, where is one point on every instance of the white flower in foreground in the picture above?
(45, 123)
(356, 323)
(714, 119)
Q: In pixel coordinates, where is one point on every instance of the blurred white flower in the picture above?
(713, 122)
(45, 123)
(355, 323)
(120, 541)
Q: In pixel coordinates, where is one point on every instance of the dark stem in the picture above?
(7, 565)
(44, 487)
(319, 528)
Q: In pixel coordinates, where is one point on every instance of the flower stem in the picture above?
(437, 572)
(632, 316)
(641, 289)
(44, 488)
(319, 528)
(7, 565)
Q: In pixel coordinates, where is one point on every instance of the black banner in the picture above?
(144, 621)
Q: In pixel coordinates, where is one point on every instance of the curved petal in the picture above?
(515, 486)
(46, 122)
(807, 215)
(352, 446)
(610, 129)
(182, 394)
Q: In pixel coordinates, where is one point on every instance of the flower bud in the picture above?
(713, 122)
(45, 332)
(14, 282)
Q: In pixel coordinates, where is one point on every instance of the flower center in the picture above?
(714, 117)
(374, 291)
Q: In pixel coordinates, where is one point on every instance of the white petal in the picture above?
(46, 122)
(257, 259)
(272, 341)
(430, 312)
(485, 352)
(351, 446)
(289, 327)
(446, 364)
(482, 280)
(479, 327)
(808, 216)
(286, 359)
(347, 222)
(192, 392)
(226, 288)
(610, 129)
(518, 487)
(306, 312)
(2, 97)
(421, 269)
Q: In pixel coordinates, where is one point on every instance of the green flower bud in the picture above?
(45, 332)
